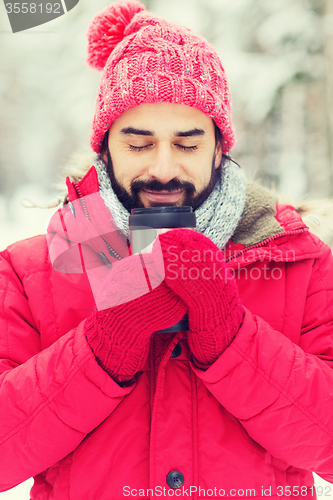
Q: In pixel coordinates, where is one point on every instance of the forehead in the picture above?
(163, 117)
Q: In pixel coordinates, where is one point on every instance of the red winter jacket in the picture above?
(254, 424)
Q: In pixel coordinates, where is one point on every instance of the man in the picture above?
(94, 403)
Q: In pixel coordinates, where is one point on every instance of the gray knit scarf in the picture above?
(217, 218)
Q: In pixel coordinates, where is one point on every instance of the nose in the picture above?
(164, 166)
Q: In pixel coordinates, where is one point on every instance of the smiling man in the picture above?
(154, 163)
(99, 399)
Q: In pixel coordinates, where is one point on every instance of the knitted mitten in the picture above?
(195, 270)
(119, 335)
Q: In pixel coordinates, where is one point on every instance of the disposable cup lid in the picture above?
(161, 217)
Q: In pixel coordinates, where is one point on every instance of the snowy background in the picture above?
(278, 55)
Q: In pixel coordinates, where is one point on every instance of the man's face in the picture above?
(162, 154)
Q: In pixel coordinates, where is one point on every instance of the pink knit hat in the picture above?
(146, 59)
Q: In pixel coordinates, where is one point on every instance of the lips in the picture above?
(163, 196)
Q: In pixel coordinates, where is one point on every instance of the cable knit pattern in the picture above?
(217, 217)
(147, 59)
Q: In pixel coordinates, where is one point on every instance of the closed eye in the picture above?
(139, 148)
(187, 148)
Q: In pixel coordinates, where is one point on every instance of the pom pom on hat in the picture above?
(107, 30)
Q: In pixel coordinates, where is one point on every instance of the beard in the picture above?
(192, 198)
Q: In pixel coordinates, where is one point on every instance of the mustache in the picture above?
(156, 185)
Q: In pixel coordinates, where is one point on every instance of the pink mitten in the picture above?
(196, 271)
(119, 335)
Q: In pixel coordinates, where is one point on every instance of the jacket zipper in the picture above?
(83, 203)
(111, 250)
(265, 242)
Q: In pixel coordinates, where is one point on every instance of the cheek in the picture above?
(201, 176)
(124, 169)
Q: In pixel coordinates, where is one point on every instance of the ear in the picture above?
(218, 154)
(105, 157)
(105, 145)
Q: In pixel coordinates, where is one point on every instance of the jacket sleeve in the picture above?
(51, 399)
(280, 392)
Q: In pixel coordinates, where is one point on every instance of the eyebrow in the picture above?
(191, 133)
(137, 131)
